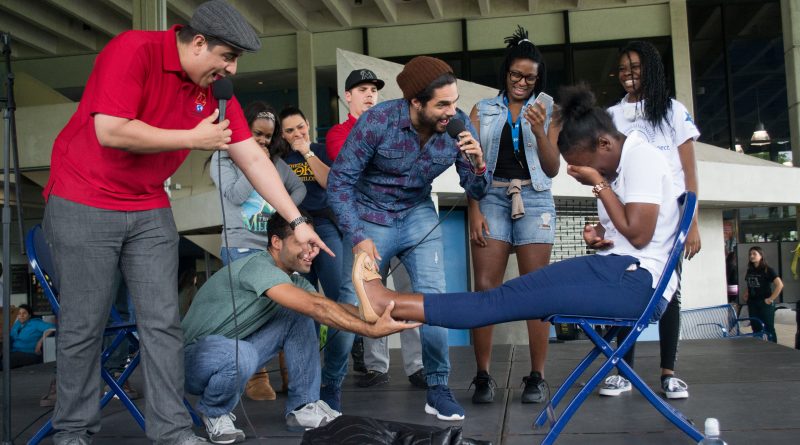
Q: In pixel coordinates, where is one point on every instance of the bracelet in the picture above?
(297, 221)
(309, 154)
(480, 172)
(599, 188)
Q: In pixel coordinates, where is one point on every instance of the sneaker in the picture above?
(222, 430)
(50, 398)
(615, 385)
(674, 388)
(332, 395)
(535, 388)
(418, 379)
(358, 355)
(372, 378)
(484, 388)
(310, 415)
(442, 404)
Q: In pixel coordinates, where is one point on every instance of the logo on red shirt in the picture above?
(200, 101)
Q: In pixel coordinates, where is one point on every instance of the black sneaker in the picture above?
(535, 388)
(372, 378)
(484, 388)
(358, 355)
(418, 379)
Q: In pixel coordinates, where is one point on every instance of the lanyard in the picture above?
(514, 126)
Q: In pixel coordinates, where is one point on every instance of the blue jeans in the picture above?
(325, 268)
(211, 363)
(425, 268)
(594, 285)
(234, 253)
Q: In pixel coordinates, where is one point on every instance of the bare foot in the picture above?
(379, 296)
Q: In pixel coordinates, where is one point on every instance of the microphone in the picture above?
(223, 91)
(454, 128)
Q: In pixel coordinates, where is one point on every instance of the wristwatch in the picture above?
(599, 188)
(297, 221)
(309, 154)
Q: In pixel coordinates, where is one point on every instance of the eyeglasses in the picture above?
(516, 76)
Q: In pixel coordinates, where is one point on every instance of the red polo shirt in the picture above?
(337, 135)
(138, 75)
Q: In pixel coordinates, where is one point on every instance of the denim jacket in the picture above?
(493, 115)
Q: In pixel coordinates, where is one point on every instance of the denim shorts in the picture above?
(537, 226)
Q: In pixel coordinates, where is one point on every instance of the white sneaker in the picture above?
(614, 386)
(222, 430)
(311, 415)
(675, 388)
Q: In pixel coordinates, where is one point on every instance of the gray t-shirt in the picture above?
(246, 212)
(211, 312)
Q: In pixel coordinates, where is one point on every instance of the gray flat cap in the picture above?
(216, 18)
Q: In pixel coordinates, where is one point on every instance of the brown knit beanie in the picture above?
(418, 73)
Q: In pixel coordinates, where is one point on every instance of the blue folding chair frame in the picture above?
(42, 264)
(614, 356)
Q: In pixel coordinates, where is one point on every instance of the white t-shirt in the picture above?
(639, 179)
(678, 128)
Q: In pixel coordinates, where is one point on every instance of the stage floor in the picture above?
(752, 387)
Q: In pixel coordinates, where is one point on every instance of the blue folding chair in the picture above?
(614, 356)
(41, 262)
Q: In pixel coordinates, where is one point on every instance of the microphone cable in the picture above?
(222, 90)
(233, 297)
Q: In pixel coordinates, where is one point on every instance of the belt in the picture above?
(513, 190)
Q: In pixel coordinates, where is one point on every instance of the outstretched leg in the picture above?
(600, 286)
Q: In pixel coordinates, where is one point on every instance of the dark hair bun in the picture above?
(576, 101)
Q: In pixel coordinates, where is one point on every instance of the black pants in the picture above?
(19, 359)
(669, 329)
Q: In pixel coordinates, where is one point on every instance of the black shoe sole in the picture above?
(532, 399)
(482, 400)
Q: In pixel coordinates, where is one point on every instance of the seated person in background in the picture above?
(273, 306)
(638, 222)
(26, 338)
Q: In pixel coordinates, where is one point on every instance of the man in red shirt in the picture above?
(361, 93)
(148, 101)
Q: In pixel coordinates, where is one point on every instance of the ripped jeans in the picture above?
(425, 266)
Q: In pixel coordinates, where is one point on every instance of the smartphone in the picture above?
(545, 99)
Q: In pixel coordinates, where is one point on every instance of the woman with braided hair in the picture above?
(648, 110)
(518, 213)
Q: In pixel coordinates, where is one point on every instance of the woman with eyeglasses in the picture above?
(648, 110)
(518, 214)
